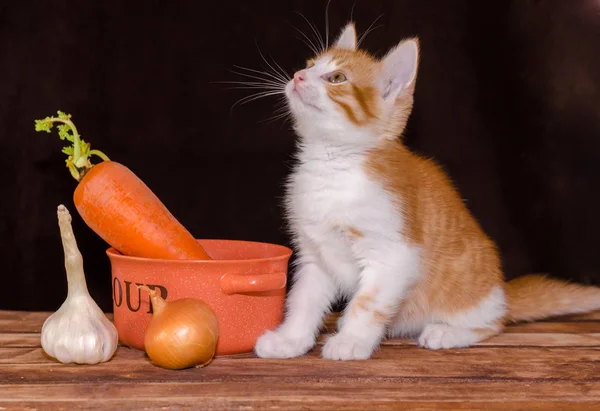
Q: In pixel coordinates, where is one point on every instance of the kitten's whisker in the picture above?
(271, 78)
(253, 97)
(260, 75)
(264, 81)
(255, 88)
(283, 72)
(311, 47)
(352, 10)
(267, 81)
(308, 41)
(282, 112)
(319, 38)
(265, 92)
(257, 96)
(247, 83)
(242, 85)
(275, 118)
(370, 29)
(327, 25)
(365, 34)
(268, 64)
(283, 109)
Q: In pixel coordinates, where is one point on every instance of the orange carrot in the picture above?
(118, 206)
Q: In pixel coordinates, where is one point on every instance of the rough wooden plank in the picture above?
(512, 339)
(593, 316)
(315, 394)
(20, 321)
(528, 367)
(582, 322)
(18, 365)
(517, 340)
(295, 405)
(542, 340)
(555, 327)
(19, 340)
(564, 335)
(23, 321)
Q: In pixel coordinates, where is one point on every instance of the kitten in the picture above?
(385, 228)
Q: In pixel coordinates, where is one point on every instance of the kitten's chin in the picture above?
(297, 102)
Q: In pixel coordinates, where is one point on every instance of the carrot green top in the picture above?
(78, 160)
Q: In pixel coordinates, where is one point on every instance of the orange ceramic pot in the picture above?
(244, 283)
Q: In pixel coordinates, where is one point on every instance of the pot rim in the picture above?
(286, 254)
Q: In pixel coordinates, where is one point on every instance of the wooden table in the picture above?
(547, 365)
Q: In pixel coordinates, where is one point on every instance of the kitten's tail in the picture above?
(535, 297)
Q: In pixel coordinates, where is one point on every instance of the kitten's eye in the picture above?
(337, 77)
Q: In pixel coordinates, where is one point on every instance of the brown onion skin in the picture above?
(181, 334)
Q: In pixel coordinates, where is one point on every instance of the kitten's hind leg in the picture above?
(309, 298)
(467, 327)
(437, 336)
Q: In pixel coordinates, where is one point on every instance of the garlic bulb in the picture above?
(78, 332)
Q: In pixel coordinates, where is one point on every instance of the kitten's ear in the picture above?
(347, 38)
(398, 70)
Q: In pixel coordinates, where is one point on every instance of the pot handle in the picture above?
(237, 284)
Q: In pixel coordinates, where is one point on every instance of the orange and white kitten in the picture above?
(385, 228)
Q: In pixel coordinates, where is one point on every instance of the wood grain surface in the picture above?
(551, 365)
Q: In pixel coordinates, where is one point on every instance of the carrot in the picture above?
(118, 206)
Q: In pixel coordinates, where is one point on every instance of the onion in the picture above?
(182, 333)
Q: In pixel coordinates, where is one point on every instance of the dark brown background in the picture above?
(507, 100)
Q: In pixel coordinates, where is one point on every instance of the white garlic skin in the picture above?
(79, 332)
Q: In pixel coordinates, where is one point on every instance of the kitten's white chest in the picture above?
(332, 200)
(328, 194)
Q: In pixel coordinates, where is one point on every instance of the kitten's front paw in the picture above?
(347, 347)
(275, 344)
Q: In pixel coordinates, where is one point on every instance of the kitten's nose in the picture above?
(298, 77)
